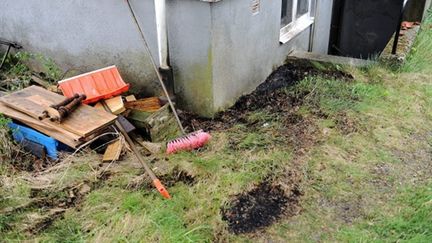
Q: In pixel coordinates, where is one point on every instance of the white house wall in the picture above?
(85, 35)
(219, 50)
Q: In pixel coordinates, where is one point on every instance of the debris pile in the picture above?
(92, 110)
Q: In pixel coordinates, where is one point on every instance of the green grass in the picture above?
(67, 231)
(412, 223)
(419, 59)
(365, 178)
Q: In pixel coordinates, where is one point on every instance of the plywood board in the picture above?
(34, 100)
(113, 151)
(57, 133)
(115, 105)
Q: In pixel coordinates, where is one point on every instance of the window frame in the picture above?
(297, 24)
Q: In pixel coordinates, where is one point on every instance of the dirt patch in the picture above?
(169, 179)
(347, 124)
(270, 96)
(177, 176)
(260, 207)
(301, 132)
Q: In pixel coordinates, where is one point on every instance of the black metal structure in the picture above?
(362, 29)
(9, 45)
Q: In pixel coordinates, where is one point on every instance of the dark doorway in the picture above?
(362, 29)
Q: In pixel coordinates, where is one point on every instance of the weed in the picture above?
(419, 60)
(10, 152)
(51, 70)
(17, 75)
(6, 145)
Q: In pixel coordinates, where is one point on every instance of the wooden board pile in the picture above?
(28, 105)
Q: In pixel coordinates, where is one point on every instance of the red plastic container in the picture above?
(96, 85)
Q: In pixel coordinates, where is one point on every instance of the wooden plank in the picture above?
(113, 151)
(57, 133)
(34, 100)
(115, 105)
(40, 81)
(151, 104)
(130, 98)
(99, 106)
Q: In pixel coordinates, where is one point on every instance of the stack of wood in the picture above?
(28, 106)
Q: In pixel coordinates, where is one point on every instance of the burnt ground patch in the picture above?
(270, 96)
(260, 207)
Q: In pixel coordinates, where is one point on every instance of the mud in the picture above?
(260, 207)
(270, 96)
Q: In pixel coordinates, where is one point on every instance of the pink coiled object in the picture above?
(190, 142)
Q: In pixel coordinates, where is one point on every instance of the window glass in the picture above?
(286, 15)
(302, 7)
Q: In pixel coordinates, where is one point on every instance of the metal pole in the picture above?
(398, 28)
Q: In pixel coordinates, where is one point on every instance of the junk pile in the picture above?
(46, 123)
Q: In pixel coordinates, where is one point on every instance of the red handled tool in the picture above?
(156, 182)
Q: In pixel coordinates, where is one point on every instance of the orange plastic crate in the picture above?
(96, 85)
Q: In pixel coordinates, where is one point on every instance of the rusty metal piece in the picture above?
(65, 101)
(60, 111)
(66, 110)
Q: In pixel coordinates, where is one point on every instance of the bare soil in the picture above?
(280, 197)
(270, 96)
(260, 207)
(169, 178)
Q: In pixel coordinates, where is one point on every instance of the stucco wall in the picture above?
(85, 35)
(189, 34)
(246, 47)
(219, 50)
(323, 17)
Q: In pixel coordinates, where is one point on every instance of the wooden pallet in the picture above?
(55, 132)
(33, 101)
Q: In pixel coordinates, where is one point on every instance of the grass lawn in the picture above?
(349, 162)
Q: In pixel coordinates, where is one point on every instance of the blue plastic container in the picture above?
(21, 133)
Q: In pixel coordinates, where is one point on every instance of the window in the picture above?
(295, 17)
(286, 17)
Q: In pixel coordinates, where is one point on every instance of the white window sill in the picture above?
(295, 29)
